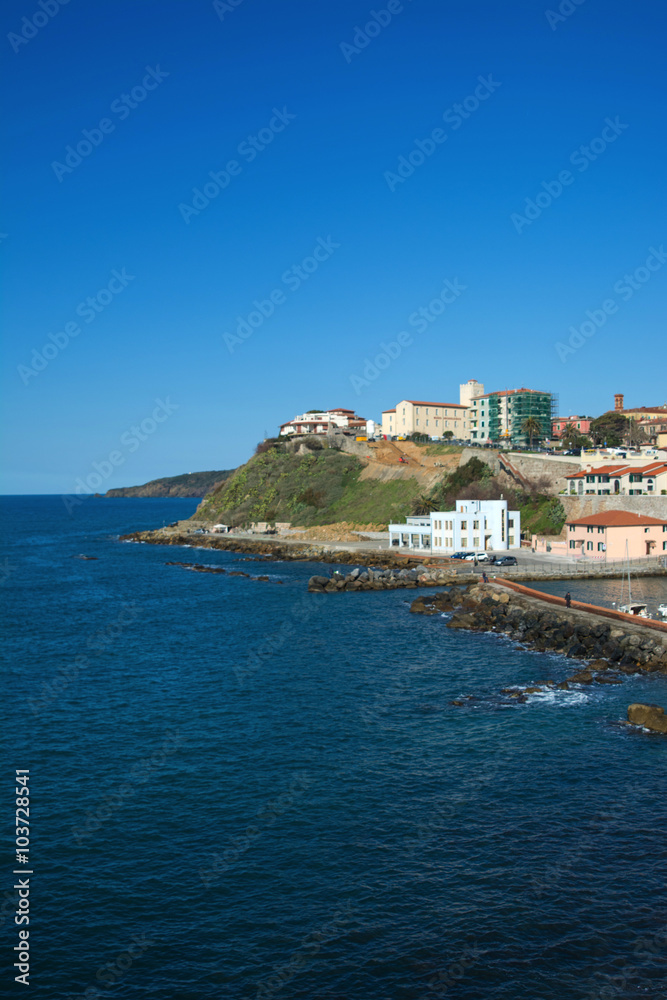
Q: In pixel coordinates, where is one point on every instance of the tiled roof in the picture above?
(513, 392)
(618, 519)
(423, 402)
(604, 470)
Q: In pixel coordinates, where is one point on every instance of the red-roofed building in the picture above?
(322, 421)
(612, 534)
(620, 478)
(422, 416)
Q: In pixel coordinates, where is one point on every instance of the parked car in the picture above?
(486, 557)
(462, 555)
(506, 561)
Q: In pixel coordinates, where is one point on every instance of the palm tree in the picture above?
(423, 505)
(570, 435)
(532, 428)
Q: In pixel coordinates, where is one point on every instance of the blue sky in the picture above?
(333, 110)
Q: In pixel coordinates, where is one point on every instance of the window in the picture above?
(427, 420)
(511, 540)
(475, 543)
(589, 529)
(437, 542)
(590, 479)
(464, 525)
(464, 543)
(417, 421)
(601, 547)
(646, 531)
(573, 543)
(510, 523)
(475, 525)
(427, 411)
(664, 546)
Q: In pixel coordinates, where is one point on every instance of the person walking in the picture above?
(568, 599)
(485, 577)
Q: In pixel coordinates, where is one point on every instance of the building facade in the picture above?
(623, 479)
(616, 533)
(581, 424)
(475, 526)
(323, 421)
(500, 416)
(418, 416)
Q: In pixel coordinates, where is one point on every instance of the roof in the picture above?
(424, 402)
(513, 392)
(618, 519)
(653, 469)
(390, 411)
(604, 470)
(643, 409)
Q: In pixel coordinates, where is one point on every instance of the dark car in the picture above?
(461, 555)
(506, 561)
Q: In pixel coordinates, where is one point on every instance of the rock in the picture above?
(462, 621)
(563, 686)
(607, 679)
(583, 677)
(598, 665)
(355, 573)
(650, 716)
(532, 690)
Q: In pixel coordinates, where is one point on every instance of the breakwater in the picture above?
(609, 647)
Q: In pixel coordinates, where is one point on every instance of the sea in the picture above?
(238, 789)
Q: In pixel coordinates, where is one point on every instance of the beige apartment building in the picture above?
(419, 416)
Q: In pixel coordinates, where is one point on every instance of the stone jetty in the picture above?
(379, 578)
(610, 648)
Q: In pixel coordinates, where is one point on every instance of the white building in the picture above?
(475, 526)
(472, 389)
(322, 421)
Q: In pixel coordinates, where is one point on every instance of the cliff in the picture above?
(190, 484)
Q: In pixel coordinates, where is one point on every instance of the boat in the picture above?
(631, 607)
(641, 610)
(662, 610)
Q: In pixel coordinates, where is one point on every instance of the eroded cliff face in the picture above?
(191, 484)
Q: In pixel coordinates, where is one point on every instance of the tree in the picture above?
(448, 435)
(569, 435)
(609, 429)
(532, 427)
(423, 505)
(635, 433)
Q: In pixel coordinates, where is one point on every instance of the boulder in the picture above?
(649, 716)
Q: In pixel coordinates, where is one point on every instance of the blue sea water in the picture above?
(239, 789)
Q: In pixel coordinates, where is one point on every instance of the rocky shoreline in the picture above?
(610, 649)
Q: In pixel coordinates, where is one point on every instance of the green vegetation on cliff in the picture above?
(318, 487)
(190, 484)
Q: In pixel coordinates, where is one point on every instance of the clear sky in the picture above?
(123, 285)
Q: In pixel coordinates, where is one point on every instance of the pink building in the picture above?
(604, 536)
(582, 424)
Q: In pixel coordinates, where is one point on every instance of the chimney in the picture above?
(618, 401)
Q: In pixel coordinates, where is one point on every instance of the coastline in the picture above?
(359, 554)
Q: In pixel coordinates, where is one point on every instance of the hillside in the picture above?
(190, 484)
(309, 484)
